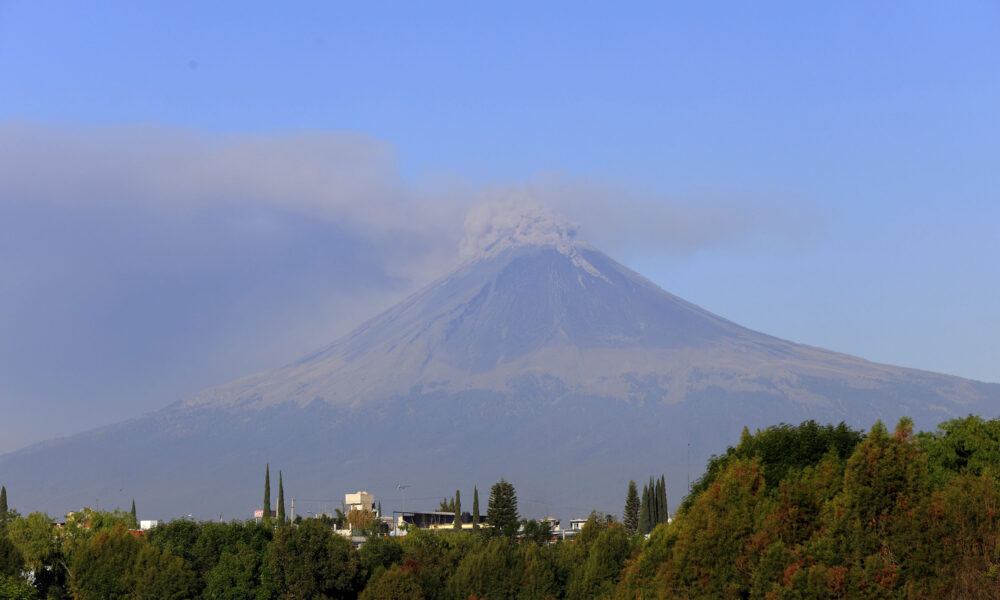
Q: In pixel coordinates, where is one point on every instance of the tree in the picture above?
(398, 583)
(281, 501)
(458, 510)
(267, 493)
(645, 518)
(11, 559)
(157, 574)
(501, 512)
(630, 516)
(360, 520)
(6, 514)
(101, 567)
(539, 532)
(310, 561)
(135, 520)
(661, 500)
(475, 507)
(16, 588)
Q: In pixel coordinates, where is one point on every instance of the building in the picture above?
(576, 524)
(359, 501)
(435, 520)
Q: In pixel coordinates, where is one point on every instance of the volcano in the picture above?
(548, 364)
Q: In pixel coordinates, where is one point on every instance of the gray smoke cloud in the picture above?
(139, 265)
(494, 226)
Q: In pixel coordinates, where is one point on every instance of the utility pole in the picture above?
(689, 468)
(402, 490)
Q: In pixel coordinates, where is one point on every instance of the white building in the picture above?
(359, 501)
(146, 525)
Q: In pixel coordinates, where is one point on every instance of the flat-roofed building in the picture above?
(359, 501)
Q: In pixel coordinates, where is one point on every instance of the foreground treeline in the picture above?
(824, 512)
(184, 559)
(804, 511)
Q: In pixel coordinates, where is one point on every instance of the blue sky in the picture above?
(196, 191)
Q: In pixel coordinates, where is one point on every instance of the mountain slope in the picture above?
(548, 364)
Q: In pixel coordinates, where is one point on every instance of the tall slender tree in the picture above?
(630, 517)
(458, 510)
(475, 507)
(135, 520)
(267, 493)
(654, 506)
(3, 508)
(662, 503)
(645, 519)
(281, 500)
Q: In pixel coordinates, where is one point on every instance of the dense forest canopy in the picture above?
(806, 511)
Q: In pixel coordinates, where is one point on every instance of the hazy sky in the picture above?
(197, 191)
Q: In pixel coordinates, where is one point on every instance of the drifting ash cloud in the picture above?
(139, 265)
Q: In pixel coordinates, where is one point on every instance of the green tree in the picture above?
(11, 559)
(493, 571)
(661, 500)
(397, 583)
(157, 575)
(538, 532)
(501, 511)
(240, 574)
(645, 521)
(458, 510)
(310, 561)
(281, 500)
(630, 516)
(42, 549)
(135, 520)
(16, 588)
(597, 576)
(101, 567)
(267, 494)
(475, 507)
(7, 514)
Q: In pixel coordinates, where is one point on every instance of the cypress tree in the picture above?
(267, 494)
(458, 510)
(3, 507)
(281, 501)
(664, 512)
(630, 517)
(475, 507)
(644, 516)
(654, 507)
(379, 513)
(135, 521)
